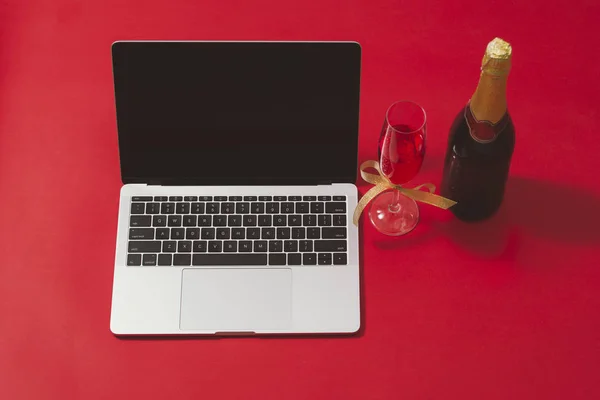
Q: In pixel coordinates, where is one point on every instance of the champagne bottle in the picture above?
(481, 142)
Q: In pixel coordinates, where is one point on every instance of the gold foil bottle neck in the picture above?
(497, 58)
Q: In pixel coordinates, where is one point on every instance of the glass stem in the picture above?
(395, 205)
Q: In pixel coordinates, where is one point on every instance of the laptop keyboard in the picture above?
(237, 230)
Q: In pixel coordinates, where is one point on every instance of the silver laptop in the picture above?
(238, 162)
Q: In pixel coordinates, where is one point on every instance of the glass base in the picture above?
(390, 220)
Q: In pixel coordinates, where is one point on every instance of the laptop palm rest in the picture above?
(236, 299)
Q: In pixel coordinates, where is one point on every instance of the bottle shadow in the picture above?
(531, 207)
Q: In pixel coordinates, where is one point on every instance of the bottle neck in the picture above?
(488, 103)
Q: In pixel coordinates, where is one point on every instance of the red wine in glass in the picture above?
(401, 153)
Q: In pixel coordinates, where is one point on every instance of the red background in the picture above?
(506, 309)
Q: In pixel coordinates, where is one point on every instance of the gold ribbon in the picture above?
(382, 184)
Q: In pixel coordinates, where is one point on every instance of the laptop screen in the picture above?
(237, 112)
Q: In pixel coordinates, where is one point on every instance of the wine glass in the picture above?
(401, 153)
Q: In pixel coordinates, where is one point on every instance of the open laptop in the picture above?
(238, 161)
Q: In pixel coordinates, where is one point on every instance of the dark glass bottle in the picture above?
(481, 142)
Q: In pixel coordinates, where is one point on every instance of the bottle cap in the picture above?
(496, 60)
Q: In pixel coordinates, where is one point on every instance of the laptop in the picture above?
(238, 162)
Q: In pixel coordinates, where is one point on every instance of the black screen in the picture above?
(237, 113)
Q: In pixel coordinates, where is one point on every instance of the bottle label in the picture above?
(484, 131)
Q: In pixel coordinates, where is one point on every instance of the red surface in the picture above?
(507, 309)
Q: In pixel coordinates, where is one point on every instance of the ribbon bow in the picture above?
(382, 183)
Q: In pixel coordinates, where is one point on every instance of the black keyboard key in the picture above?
(277, 259)
(163, 233)
(189, 220)
(169, 247)
(215, 246)
(313, 233)
(208, 233)
(220, 220)
(339, 220)
(165, 260)
(253, 233)
(309, 220)
(272, 208)
(192, 233)
(235, 198)
(205, 198)
(280, 220)
(223, 233)
(324, 198)
(138, 208)
(238, 233)
(230, 246)
(264, 220)
(245, 246)
(167, 208)
(309, 198)
(175, 198)
(230, 259)
(309, 259)
(152, 208)
(268, 233)
(228, 208)
(199, 246)
(340, 258)
(257, 208)
(141, 233)
(294, 259)
(250, 198)
(335, 208)
(149, 260)
(260, 246)
(305, 246)
(249, 220)
(283, 233)
(339, 198)
(290, 246)
(295, 220)
(140, 220)
(234, 220)
(330, 245)
(182, 259)
(197, 208)
(220, 198)
(275, 246)
(190, 198)
(212, 208)
(134, 260)
(324, 220)
(205, 220)
(265, 198)
(324, 258)
(294, 198)
(161, 198)
(316, 208)
(177, 233)
(302, 208)
(333, 233)
(144, 246)
(174, 220)
(242, 208)
(287, 208)
(182, 208)
(141, 198)
(280, 198)
(159, 220)
(298, 233)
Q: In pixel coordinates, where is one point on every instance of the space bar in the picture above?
(229, 259)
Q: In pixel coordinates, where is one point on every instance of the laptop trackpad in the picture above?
(236, 299)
